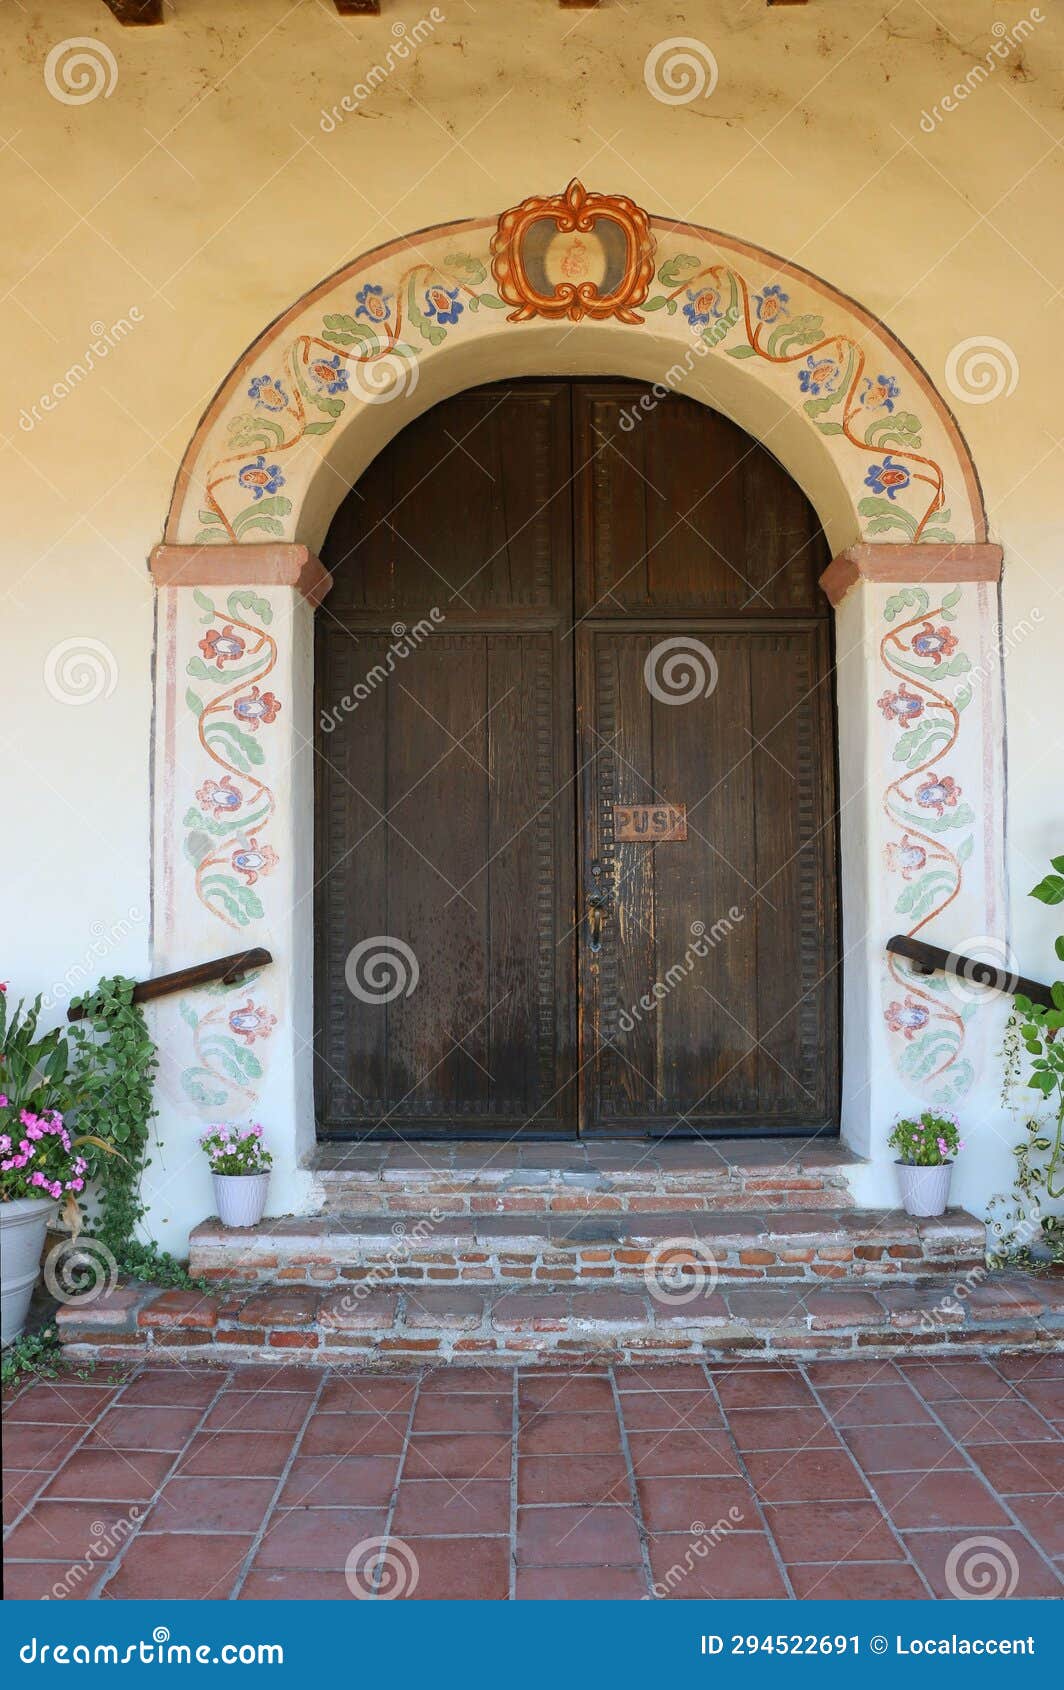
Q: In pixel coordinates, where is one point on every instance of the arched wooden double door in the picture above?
(576, 851)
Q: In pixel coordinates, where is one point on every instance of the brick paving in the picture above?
(867, 1478)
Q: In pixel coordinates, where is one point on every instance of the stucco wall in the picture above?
(168, 220)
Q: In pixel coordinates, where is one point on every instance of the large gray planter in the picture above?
(23, 1225)
(241, 1198)
(924, 1191)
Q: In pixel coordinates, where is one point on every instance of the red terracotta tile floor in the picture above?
(873, 1479)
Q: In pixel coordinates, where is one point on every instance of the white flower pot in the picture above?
(23, 1225)
(924, 1191)
(241, 1198)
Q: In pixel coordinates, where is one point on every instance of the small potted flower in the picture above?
(240, 1164)
(926, 1146)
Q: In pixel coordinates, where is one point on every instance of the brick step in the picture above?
(606, 1175)
(368, 1326)
(811, 1245)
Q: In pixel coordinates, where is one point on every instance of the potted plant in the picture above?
(38, 1165)
(240, 1165)
(926, 1147)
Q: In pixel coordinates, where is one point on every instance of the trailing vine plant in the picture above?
(1019, 1220)
(113, 1066)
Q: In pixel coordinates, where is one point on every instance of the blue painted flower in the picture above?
(327, 375)
(880, 393)
(771, 303)
(260, 477)
(888, 477)
(268, 394)
(819, 376)
(443, 304)
(702, 306)
(373, 303)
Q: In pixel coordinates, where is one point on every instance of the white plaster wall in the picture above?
(202, 196)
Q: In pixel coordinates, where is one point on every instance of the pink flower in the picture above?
(3, 1100)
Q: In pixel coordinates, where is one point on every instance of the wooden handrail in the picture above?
(930, 959)
(228, 969)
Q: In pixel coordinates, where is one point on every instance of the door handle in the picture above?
(597, 909)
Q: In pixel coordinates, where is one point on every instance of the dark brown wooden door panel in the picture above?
(491, 959)
(447, 839)
(678, 509)
(712, 998)
(468, 509)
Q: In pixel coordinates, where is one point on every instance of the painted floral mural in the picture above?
(368, 336)
(226, 826)
(930, 827)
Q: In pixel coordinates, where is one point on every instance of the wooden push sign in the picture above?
(649, 824)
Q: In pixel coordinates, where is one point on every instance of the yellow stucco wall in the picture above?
(171, 217)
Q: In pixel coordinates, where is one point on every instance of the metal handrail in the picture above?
(932, 959)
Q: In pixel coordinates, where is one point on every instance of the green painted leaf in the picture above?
(318, 428)
(741, 352)
(244, 599)
(204, 602)
(249, 432)
(465, 265)
(952, 598)
(802, 330)
(208, 537)
(885, 515)
(830, 428)
(264, 525)
(188, 1015)
(965, 848)
(276, 505)
(194, 702)
(239, 747)
(655, 303)
(492, 301)
(197, 847)
(199, 670)
(344, 330)
(674, 270)
(209, 517)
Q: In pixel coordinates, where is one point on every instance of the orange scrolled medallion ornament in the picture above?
(574, 255)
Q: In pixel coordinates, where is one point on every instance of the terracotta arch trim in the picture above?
(914, 565)
(280, 565)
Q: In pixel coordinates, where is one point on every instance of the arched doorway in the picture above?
(575, 808)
